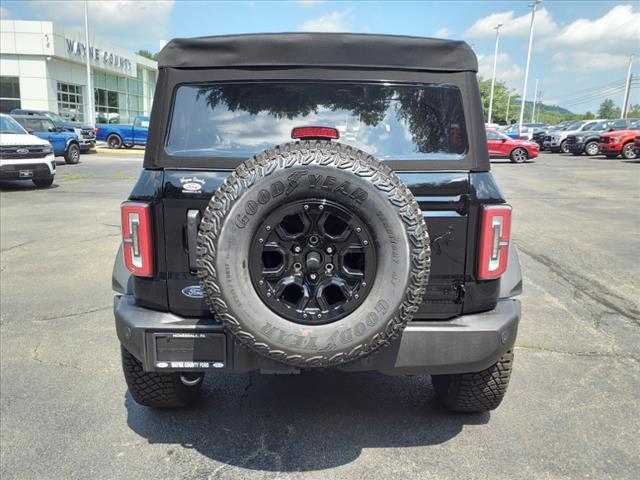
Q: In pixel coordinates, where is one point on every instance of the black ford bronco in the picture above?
(317, 201)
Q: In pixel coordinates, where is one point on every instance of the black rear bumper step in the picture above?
(467, 343)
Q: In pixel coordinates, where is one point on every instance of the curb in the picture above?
(119, 151)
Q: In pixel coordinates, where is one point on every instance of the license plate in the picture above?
(185, 351)
(25, 173)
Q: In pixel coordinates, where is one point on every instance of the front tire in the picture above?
(114, 141)
(155, 389)
(627, 152)
(43, 182)
(72, 155)
(518, 155)
(475, 392)
(564, 148)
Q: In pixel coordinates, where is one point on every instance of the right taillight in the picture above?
(495, 235)
(136, 238)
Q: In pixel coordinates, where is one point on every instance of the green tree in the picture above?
(588, 116)
(608, 109)
(634, 111)
(149, 55)
(500, 97)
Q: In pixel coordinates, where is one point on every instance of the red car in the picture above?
(619, 142)
(516, 150)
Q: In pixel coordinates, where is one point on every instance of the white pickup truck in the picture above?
(24, 156)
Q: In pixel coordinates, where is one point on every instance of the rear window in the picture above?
(392, 122)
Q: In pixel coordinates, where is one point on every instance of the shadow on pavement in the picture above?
(22, 185)
(312, 421)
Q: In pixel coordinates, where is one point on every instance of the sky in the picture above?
(580, 52)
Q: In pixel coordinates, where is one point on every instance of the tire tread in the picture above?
(155, 389)
(475, 392)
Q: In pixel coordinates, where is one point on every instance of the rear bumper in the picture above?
(467, 343)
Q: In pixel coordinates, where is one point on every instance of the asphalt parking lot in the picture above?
(571, 410)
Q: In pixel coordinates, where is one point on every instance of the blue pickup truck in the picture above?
(65, 144)
(118, 136)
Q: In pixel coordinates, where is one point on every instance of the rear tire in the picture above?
(153, 389)
(43, 182)
(114, 141)
(518, 155)
(475, 392)
(591, 148)
(564, 148)
(72, 155)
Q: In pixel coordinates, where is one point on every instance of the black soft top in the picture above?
(342, 50)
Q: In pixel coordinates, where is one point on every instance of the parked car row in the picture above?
(611, 138)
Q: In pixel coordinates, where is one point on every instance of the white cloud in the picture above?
(512, 26)
(336, 21)
(310, 3)
(506, 69)
(4, 14)
(444, 32)
(128, 23)
(618, 30)
(581, 61)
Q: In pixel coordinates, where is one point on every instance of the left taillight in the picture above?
(495, 235)
(137, 243)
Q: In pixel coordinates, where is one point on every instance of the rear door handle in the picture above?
(193, 222)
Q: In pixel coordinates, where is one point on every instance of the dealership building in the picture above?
(43, 67)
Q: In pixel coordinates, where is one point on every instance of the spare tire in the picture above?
(313, 254)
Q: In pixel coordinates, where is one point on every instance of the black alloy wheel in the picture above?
(312, 261)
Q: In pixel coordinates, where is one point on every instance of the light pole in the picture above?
(493, 77)
(535, 100)
(627, 90)
(506, 115)
(89, 95)
(523, 100)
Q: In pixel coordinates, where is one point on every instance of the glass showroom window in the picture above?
(70, 105)
(118, 99)
(9, 94)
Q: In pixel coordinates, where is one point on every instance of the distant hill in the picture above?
(545, 108)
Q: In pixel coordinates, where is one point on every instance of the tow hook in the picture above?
(191, 379)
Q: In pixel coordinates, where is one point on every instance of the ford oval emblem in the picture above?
(192, 187)
(193, 291)
(22, 150)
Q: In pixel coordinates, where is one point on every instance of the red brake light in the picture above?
(136, 238)
(97, 131)
(495, 235)
(315, 132)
